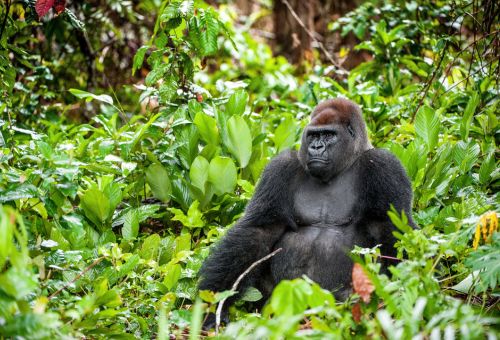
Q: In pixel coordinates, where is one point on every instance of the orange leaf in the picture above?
(361, 283)
(42, 7)
(356, 312)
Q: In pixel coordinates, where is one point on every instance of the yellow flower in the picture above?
(487, 225)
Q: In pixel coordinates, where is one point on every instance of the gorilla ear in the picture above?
(350, 129)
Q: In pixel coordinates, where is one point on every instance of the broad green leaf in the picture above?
(181, 193)
(222, 174)
(427, 126)
(24, 190)
(207, 127)
(466, 155)
(194, 218)
(468, 114)
(150, 247)
(130, 228)
(18, 282)
(290, 297)
(237, 103)
(96, 206)
(173, 273)
(198, 173)
(182, 242)
(487, 168)
(284, 136)
(239, 140)
(159, 181)
(252, 294)
(188, 141)
(90, 96)
(113, 193)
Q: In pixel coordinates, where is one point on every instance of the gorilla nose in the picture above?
(316, 149)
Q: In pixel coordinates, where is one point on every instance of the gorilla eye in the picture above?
(329, 135)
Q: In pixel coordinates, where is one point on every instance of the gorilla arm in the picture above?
(267, 216)
(384, 182)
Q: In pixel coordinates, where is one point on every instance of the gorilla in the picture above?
(316, 205)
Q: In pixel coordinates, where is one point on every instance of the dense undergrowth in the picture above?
(106, 216)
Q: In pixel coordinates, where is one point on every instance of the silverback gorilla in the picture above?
(316, 205)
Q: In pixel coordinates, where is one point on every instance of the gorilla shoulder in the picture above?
(385, 181)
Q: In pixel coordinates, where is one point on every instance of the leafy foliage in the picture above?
(110, 200)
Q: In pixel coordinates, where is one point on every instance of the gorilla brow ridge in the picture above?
(338, 110)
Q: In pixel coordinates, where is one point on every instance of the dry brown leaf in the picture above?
(361, 283)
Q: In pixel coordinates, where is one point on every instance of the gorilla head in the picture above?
(334, 139)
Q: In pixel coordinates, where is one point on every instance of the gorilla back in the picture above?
(316, 205)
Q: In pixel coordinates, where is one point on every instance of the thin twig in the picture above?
(237, 282)
(311, 35)
(390, 258)
(429, 83)
(76, 278)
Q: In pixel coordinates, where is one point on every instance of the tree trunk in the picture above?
(292, 39)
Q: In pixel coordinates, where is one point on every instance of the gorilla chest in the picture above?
(331, 204)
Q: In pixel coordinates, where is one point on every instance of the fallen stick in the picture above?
(237, 282)
(76, 277)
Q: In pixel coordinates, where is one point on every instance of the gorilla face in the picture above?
(326, 150)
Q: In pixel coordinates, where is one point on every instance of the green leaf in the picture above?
(18, 282)
(150, 247)
(130, 228)
(252, 294)
(96, 206)
(196, 320)
(284, 136)
(465, 155)
(237, 103)
(239, 140)
(173, 273)
(194, 218)
(182, 243)
(22, 191)
(124, 269)
(290, 297)
(159, 181)
(198, 173)
(139, 58)
(468, 114)
(222, 174)
(427, 126)
(104, 98)
(7, 218)
(207, 127)
(487, 168)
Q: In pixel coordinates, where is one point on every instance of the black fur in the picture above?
(316, 205)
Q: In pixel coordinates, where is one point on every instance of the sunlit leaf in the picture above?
(222, 174)
(198, 173)
(159, 181)
(239, 140)
(427, 126)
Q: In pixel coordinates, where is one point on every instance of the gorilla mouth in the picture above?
(318, 160)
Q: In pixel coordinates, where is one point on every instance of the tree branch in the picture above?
(237, 282)
(76, 278)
